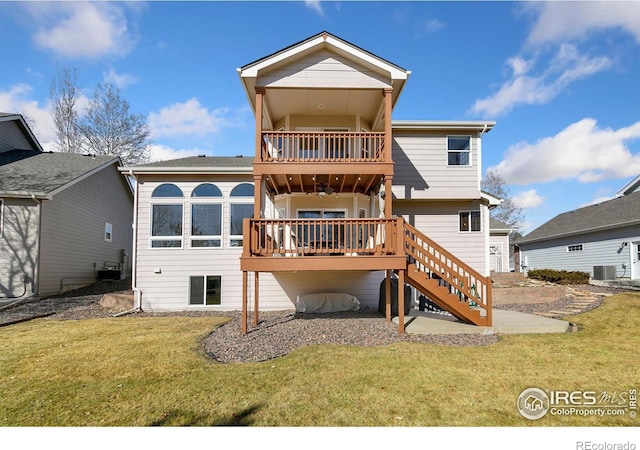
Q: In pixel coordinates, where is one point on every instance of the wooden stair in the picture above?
(442, 296)
(446, 280)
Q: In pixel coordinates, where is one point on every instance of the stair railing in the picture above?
(437, 262)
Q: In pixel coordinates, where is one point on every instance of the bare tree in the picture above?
(108, 128)
(64, 94)
(508, 212)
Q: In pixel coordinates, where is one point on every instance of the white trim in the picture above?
(1, 216)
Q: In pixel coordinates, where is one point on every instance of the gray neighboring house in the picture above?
(64, 218)
(601, 239)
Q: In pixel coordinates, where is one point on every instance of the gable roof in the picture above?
(43, 174)
(496, 225)
(618, 212)
(24, 128)
(195, 164)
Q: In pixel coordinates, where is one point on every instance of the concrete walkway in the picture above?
(504, 322)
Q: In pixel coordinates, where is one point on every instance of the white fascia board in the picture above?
(186, 170)
(491, 199)
(442, 125)
(83, 176)
(630, 187)
(23, 194)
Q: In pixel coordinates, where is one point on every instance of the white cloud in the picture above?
(188, 118)
(527, 199)
(582, 151)
(315, 6)
(567, 66)
(433, 26)
(81, 29)
(595, 201)
(17, 100)
(559, 21)
(119, 80)
(164, 153)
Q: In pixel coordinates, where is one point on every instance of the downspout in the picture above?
(36, 275)
(137, 292)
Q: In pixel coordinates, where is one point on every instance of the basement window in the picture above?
(575, 248)
(204, 290)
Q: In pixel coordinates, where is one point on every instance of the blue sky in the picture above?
(561, 79)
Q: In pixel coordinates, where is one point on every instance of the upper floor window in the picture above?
(240, 207)
(459, 150)
(575, 248)
(166, 216)
(206, 216)
(469, 221)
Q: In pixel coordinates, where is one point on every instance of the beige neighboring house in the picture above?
(499, 254)
(336, 201)
(65, 219)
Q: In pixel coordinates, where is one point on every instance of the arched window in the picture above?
(240, 207)
(167, 190)
(206, 216)
(166, 216)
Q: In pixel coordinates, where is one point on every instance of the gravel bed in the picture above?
(281, 332)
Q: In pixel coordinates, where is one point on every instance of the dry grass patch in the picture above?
(145, 371)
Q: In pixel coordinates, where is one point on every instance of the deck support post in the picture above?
(244, 302)
(387, 297)
(401, 301)
(256, 289)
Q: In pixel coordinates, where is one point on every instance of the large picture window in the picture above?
(459, 150)
(206, 216)
(469, 221)
(166, 217)
(240, 208)
(204, 290)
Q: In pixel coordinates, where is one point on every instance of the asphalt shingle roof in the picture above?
(40, 173)
(204, 161)
(613, 213)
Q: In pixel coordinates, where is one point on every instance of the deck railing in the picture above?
(309, 237)
(303, 146)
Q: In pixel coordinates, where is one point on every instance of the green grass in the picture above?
(142, 371)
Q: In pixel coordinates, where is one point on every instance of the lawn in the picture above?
(144, 371)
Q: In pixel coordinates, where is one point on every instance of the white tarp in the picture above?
(325, 302)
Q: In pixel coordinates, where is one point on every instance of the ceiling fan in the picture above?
(324, 189)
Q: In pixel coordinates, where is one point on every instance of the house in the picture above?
(335, 201)
(602, 239)
(499, 245)
(64, 218)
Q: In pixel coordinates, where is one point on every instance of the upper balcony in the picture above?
(304, 161)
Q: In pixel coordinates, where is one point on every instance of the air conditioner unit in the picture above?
(604, 272)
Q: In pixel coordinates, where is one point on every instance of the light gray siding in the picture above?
(421, 170)
(73, 245)
(440, 222)
(599, 249)
(18, 246)
(13, 137)
(323, 69)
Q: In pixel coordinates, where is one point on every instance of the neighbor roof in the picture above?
(34, 173)
(498, 225)
(615, 213)
(196, 164)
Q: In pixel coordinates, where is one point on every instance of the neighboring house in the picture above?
(499, 246)
(601, 239)
(63, 217)
(336, 198)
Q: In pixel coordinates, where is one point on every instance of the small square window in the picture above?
(108, 232)
(204, 290)
(469, 221)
